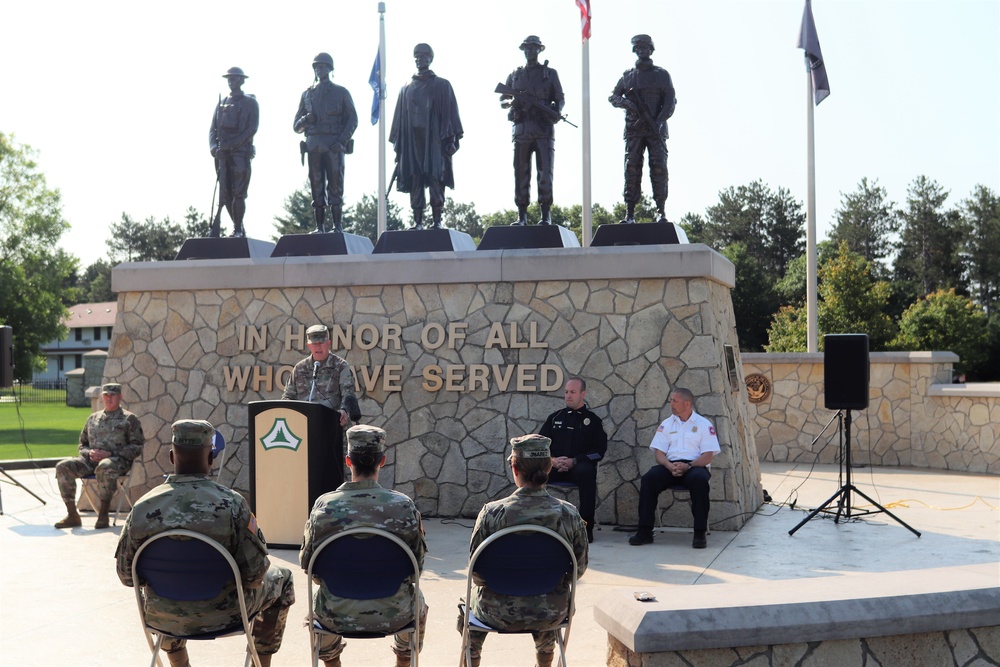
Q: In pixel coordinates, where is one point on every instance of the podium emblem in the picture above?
(280, 436)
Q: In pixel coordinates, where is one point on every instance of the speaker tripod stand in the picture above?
(843, 495)
(15, 483)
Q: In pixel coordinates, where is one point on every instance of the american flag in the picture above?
(584, 6)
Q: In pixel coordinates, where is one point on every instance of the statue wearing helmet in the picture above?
(230, 140)
(646, 93)
(533, 131)
(327, 117)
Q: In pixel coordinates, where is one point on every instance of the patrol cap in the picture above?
(111, 388)
(317, 333)
(363, 439)
(425, 48)
(192, 433)
(532, 39)
(643, 39)
(323, 58)
(531, 446)
(234, 71)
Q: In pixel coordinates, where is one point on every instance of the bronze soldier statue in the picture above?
(230, 139)
(647, 95)
(425, 134)
(534, 109)
(327, 117)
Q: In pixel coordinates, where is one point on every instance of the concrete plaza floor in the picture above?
(61, 602)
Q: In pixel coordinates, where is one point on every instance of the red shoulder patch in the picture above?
(711, 430)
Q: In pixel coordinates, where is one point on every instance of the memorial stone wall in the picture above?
(453, 354)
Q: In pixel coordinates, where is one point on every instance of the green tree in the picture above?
(462, 217)
(197, 226)
(944, 320)
(854, 300)
(694, 226)
(33, 270)
(981, 247)
(753, 297)
(850, 300)
(769, 224)
(298, 217)
(362, 218)
(148, 241)
(94, 286)
(928, 257)
(866, 220)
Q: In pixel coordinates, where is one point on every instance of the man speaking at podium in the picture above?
(324, 378)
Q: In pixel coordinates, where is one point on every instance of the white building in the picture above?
(90, 326)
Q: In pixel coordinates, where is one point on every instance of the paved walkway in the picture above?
(62, 604)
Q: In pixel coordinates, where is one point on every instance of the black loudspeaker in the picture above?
(6, 357)
(845, 371)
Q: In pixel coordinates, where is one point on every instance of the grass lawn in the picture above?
(50, 430)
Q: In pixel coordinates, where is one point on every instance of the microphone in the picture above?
(315, 369)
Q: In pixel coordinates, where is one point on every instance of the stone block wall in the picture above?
(915, 416)
(972, 646)
(621, 321)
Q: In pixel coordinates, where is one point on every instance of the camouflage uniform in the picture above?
(355, 505)
(334, 382)
(196, 503)
(118, 432)
(533, 507)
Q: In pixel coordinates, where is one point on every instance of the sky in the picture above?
(117, 97)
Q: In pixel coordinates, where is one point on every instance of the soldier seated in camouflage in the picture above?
(363, 503)
(110, 441)
(189, 499)
(530, 462)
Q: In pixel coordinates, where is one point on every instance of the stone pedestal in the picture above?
(228, 248)
(453, 353)
(331, 243)
(517, 237)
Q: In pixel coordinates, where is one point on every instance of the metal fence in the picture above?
(41, 391)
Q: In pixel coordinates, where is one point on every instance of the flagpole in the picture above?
(382, 211)
(811, 314)
(587, 208)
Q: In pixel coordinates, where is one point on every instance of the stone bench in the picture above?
(933, 616)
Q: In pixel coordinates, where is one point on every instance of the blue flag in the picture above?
(373, 82)
(809, 41)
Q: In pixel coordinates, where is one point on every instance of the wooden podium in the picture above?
(296, 455)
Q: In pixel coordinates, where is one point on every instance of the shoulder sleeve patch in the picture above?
(711, 430)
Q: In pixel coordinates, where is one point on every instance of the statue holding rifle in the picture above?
(230, 140)
(535, 100)
(327, 117)
(646, 93)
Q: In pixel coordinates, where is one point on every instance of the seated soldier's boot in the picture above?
(72, 518)
(475, 661)
(544, 659)
(332, 663)
(402, 661)
(102, 515)
(265, 659)
(179, 658)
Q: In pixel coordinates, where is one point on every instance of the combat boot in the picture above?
(72, 518)
(546, 216)
(403, 661)
(660, 215)
(418, 219)
(179, 658)
(544, 659)
(522, 217)
(475, 661)
(265, 659)
(102, 515)
(436, 217)
(332, 663)
(320, 214)
(629, 214)
(337, 213)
